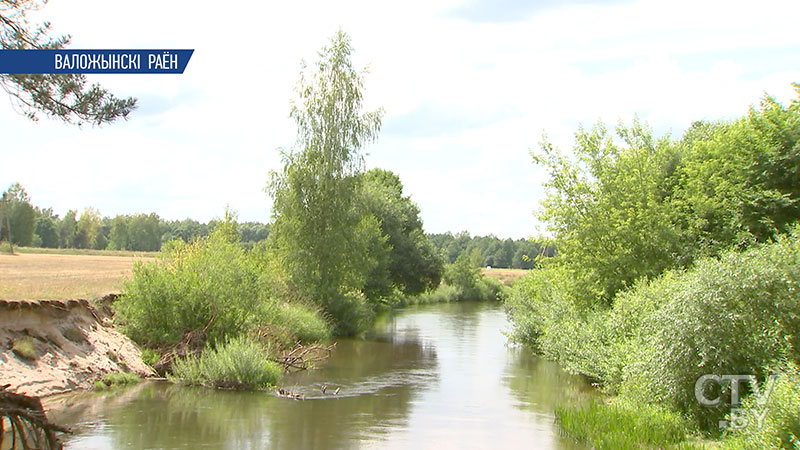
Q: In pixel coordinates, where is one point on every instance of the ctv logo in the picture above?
(739, 417)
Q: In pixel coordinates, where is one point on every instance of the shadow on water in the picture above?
(433, 376)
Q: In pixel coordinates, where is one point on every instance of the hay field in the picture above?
(506, 276)
(58, 276)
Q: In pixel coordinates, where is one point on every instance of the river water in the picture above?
(437, 376)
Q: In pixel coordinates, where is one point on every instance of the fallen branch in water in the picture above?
(303, 357)
(28, 422)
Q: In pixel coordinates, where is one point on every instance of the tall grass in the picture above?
(622, 425)
(238, 364)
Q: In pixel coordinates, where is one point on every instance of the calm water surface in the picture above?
(438, 376)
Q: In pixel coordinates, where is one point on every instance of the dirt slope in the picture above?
(53, 346)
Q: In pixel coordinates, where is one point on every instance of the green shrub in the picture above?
(211, 284)
(622, 425)
(24, 348)
(238, 364)
(732, 316)
(208, 284)
(116, 379)
(729, 316)
(150, 356)
(305, 322)
(781, 426)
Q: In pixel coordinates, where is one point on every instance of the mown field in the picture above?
(38, 276)
(506, 276)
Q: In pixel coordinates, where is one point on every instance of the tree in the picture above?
(64, 96)
(144, 232)
(47, 230)
(67, 229)
(413, 263)
(118, 236)
(87, 229)
(19, 215)
(321, 238)
(610, 208)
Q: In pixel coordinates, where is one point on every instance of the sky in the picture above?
(468, 89)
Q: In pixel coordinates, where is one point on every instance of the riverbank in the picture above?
(55, 346)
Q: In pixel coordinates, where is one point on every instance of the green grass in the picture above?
(239, 364)
(81, 251)
(150, 356)
(622, 425)
(112, 380)
(24, 348)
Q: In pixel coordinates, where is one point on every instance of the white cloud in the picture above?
(482, 92)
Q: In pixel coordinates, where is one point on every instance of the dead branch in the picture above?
(28, 422)
(303, 357)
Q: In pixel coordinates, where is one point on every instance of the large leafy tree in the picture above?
(323, 240)
(609, 208)
(63, 96)
(413, 263)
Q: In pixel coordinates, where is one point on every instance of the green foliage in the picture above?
(17, 211)
(731, 316)
(238, 364)
(24, 348)
(301, 322)
(209, 284)
(315, 193)
(144, 232)
(412, 264)
(609, 209)
(116, 379)
(67, 229)
(622, 425)
(88, 227)
(47, 231)
(781, 424)
(213, 284)
(727, 316)
(150, 356)
(498, 253)
(462, 282)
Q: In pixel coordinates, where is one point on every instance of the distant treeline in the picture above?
(490, 250)
(37, 227)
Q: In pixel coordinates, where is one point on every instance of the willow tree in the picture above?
(323, 240)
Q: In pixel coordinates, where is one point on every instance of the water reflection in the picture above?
(435, 376)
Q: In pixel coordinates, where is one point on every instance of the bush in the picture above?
(209, 284)
(214, 285)
(781, 426)
(150, 356)
(238, 364)
(300, 322)
(462, 282)
(731, 316)
(116, 379)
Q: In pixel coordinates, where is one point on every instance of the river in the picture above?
(437, 376)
